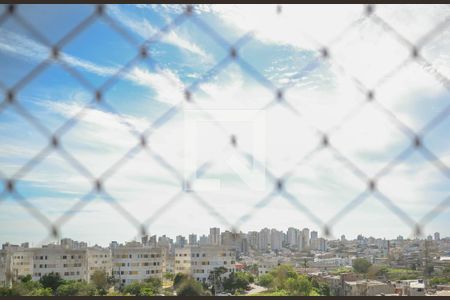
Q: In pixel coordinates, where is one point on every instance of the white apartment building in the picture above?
(252, 237)
(199, 261)
(367, 288)
(135, 262)
(214, 236)
(415, 287)
(319, 244)
(333, 262)
(293, 236)
(437, 236)
(70, 264)
(3, 268)
(192, 239)
(266, 264)
(276, 239)
(264, 239)
(305, 238)
(20, 262)
(203, 240)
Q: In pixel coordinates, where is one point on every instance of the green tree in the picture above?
(286, 280)
(100, 280)
(149, 287)
(25, 278)
(114, 293)
(428, 270)
(178, 279)
(169, 276)
(361, 265)
(253, 268)
(298, 286)
(237, 281)
(51, 280)
(26, 288)
(281, 274)
(439, 280)
(76, 288)
(133, 288)
(41, 292)
(216, 279)
(146, 291)
(320, 287)
(265, 280)
(4, 291)
(191, 287)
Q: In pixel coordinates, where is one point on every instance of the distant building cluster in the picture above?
(152, 256)
(258, 252)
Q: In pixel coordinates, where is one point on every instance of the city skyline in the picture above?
(207, 234)
(362, 120)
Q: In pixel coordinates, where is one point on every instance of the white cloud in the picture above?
(323, 184)
(146, 30)
(164, 82)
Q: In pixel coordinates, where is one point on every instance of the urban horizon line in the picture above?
(57, 241)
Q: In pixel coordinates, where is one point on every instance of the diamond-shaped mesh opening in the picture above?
(69, 16)
(436, 53)
(21, 52)
(361, 214)
(427, 97)
(359, 52)
(321, 184)
(99, 139)
(60, 104)
(16, 151)
(426, 17)
(364, 136)
(409, 183)
(11, 224)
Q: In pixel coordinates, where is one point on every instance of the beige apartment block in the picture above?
(367, 288)
(199, 261)
(20, 263)
(135, 262)
(70, 264)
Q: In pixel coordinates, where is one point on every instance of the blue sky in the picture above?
(281, 47)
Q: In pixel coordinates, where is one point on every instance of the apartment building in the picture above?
(20, 262)
(70, 264)
(135, 262)
(305, 238)
(4, 273)
(199, 261)
(367, 288)
(264, 239)
(293, 237)
(252, 237)
(266, 264)
(192, 239)
(214, 236)
(276, 239)
(319, 244)
(237, 240)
